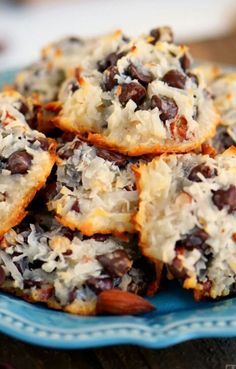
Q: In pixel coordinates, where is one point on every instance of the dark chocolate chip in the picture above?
(44, 144)
(194, 78)
(143, 78)
(19, 162)
(100, 237)
(74, 39)
(175, 79)
(222, 140)
(185, 62)
(74, 86)
(2, 275)
(225, 198)
(68, 152)
(29, 283)
(204, 169)
(132, 91)
(23, 109)
(196, 239)
(3, 196)
(177, 269)
(109, 78)
(100, 284)
(166, 105)
(156, 34)
(118, 159)
(76, 207)
(110, 60)
(36, 264)
(116, 263)
(67, 253)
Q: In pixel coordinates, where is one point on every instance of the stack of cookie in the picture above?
(129, 125)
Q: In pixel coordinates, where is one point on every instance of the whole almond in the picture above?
(119, 302)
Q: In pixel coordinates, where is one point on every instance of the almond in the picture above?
(119, 302)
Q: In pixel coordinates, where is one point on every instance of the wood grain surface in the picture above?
(197, 354)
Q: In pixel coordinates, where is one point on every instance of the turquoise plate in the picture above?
(177, 318)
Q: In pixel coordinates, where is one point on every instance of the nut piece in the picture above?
(119, 302)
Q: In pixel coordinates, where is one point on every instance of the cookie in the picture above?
(95, 190)
(223, 89)
(26, 160)
(58, 60)
(141, 99)
(187, 219)
(16, 109)
(68, 271)
(41, 79)
(222, 86)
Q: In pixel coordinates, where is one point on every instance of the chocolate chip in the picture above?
(67, 253)
(161, 34)
(143, 78)
(74, 86)
(156, 34)
(29, 283)
(76, 207)
(185, 62)
(3, 196)
(118, 159)
(19, 162)
(68, 152)
(44, 144)
(2, 275)
(100, 284)
(115, 263)
(110, 61)
(222, 140)
(72, 295)
(132, 91)
(225, 198)
(109, 78)
(196, 239)
(23, 109)
(194, 78)
(175, 79)
(100, 237)
(74, 39)
(166, 105)
(36, 264)
(177, 269)
(204, 169)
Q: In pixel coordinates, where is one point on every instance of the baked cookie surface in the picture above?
(26, 160)
(68, 271)
(58, 61)
(95, 190)
(141, 99)
(187, 219)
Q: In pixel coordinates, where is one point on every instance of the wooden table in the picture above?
(198, 354)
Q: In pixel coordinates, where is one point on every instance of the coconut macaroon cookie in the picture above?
(144, 99)
(26, 159)
(58, 60)
(15, 108)
(67, 271)
(187, 219)
(222, 86)
(223, 89)
(95, 190)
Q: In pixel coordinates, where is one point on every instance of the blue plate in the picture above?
(177, 318)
